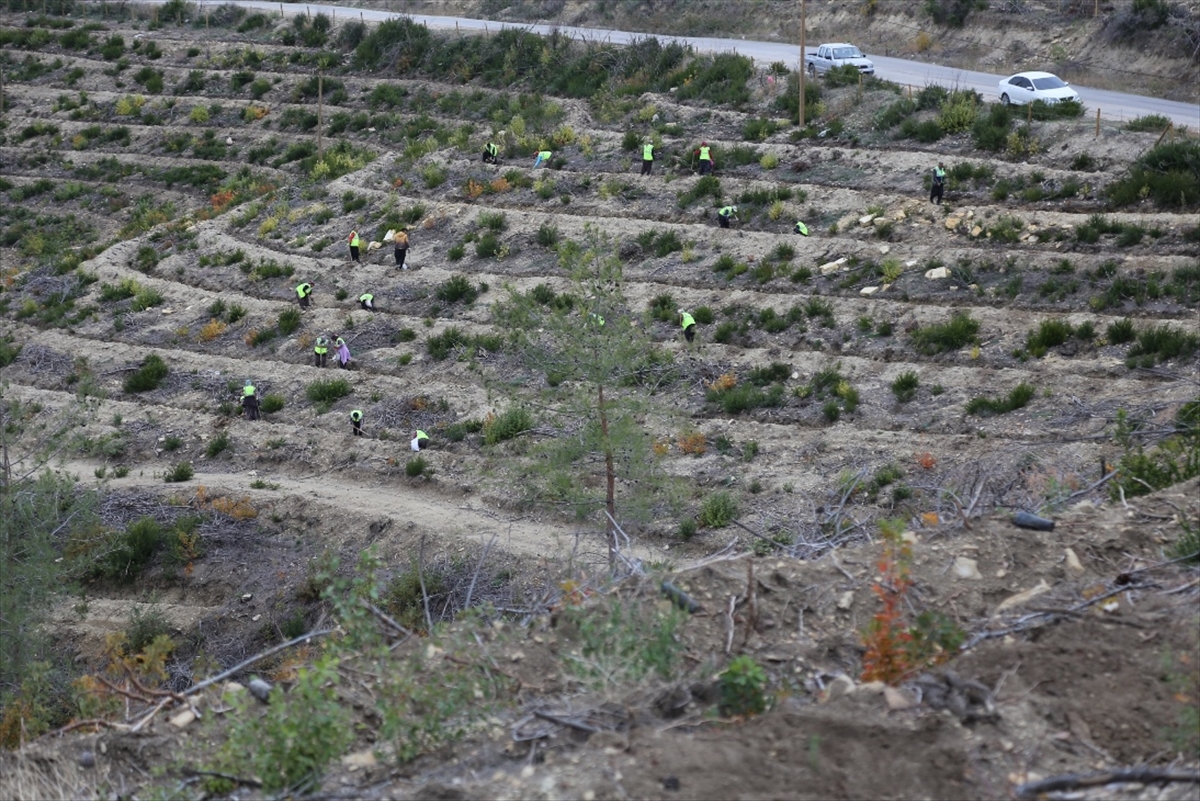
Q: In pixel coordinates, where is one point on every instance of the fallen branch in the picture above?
(79, 724)
(384, 617)
(574, 724)
(421, 578)
(760, 536)
(1072, 780)
(729, 623)
(475, 575)
(237, 779)
(256, 658)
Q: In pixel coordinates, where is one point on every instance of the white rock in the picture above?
(846, 601)
(868, 290)
(184, 719)
(910, 263)
(897, 699)
(360, 759)
(938, 272)
(866, 219)
(1073, 563)
(966, 568)
(1023, 597)
(885, 249)
(229, 140)
(832, 266)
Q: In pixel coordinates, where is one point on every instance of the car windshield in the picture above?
(1049, 82)
(847, 52)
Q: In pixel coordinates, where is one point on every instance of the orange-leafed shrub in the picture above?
(692, 443)
(212, 329)
(724, 382)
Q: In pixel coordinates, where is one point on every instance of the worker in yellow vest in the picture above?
(647, 157)
(706, 162)
(356, 421)
(304, 294)
(688, 323)
(250, 400)
(321, 351)
(355, 242)
(420, 440)
(491, 153)
(543, 157)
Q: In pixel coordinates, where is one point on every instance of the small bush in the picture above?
(1050, 334)
(960, 331)
(327, 392)
(1120, 332)
(1020, 395)
(272, 403)
(443, 344)
(505, 426)
(217, 445)
(456, 288)
(148, 376)
(743, 688)
(718, 510)
(179, 473)
(1162, 343)
(547, 235)
(416, 466)
(905, 386)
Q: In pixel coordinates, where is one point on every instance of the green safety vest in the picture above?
(492, 149)
(939, 174)
(704, 154)
(647, 152)
(801, 228)
(421, 434)
(544, 154)
(322, 346)
(354, 240)
(366, 296)
(726, 211)
(686, 320)
(356, 415)
(304, 290)
(248, 390)
(340, 342)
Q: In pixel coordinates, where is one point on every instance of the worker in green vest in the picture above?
(688, 323)
(250, 400)
(356, 421)
(647, 157)
(321, 351)
(706, 162)
(420, 440)
(304, 294)
(367, 301)
(939, 183)
(491, 153)
(724, 213)
(355, 242)
(543, 157)
(801, 228)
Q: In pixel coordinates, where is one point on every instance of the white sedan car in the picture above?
(1026, 87)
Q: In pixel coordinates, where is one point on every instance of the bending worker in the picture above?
(688, 324)
(356, 422)
(420, 440)
(724, 213)
(304, 294)
(367, 301)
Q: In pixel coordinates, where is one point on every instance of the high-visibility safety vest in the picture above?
(354, 240)
(704, 154)
(544, 154)
(726, 211)
(492, 149)
(686, 320)
(322, 346)
(421, 434)
(939, 174)
(647, 152)
(340, 342)
(801, 228)
(248, 390)
(366, 297)
(356, 415)
(304, 290)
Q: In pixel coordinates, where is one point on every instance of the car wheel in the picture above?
(1004, 100)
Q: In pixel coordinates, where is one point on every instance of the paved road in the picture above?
(1112, 105)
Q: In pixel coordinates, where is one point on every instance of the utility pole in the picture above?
(802, 4)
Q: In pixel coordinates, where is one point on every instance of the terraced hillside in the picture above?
(170, 178)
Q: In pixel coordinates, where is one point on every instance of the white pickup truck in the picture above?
(838, 54)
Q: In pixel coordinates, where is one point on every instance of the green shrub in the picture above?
(132, 550)
(905, 386)
(416, 466)
(1120, 332)
(179, 473)
(707, 186)
(217, 445)
(147, 377)
(1162, 343)
(326, 392)
(547, 235)
(960, 331)
(1050, 334)
(289, 321)
(744, 397)
(1018, 397)
(1169, 174)
(718, 510)
(456, 288)
(443, 344)
(743, 688)
(990, 131)
(272, 403)
(507, 425)
(1174, 460)
(1150, 122)
(301, 731)
(488, 245)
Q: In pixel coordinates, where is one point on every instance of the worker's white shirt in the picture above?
(415, 444)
